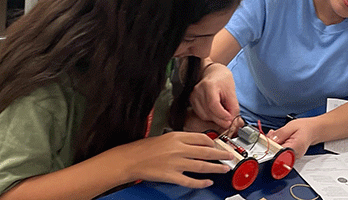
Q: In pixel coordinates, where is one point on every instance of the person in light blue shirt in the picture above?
(286, 57)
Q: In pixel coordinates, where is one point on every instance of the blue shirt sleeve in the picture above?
(247, 23)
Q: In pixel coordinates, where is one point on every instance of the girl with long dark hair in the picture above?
(78, 79)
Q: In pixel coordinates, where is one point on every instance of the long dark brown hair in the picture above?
(115, 52)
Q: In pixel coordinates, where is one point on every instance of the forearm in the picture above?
(224, 48)
(333, 125)
(81, 181)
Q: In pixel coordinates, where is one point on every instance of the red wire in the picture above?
(261, 131)
(260, 127)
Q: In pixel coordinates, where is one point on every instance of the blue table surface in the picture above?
(264, 186)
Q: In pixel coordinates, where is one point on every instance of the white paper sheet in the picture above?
(337, 146)
(235, 197)
(327, 174)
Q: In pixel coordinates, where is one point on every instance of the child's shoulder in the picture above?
(54, 98)
(50, 97)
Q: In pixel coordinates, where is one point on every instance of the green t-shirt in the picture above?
(163, 103)
(36, 132)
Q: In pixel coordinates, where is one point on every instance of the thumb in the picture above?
(280, 135)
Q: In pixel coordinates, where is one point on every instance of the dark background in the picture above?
(15, 9)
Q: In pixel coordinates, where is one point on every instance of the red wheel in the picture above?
(245, 173)
(212, 134)
(283, 163)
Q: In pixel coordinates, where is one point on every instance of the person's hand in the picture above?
(165, 158)
(214, 98)
(298, 134)
(194, 123)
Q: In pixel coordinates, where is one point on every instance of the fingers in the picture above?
(186, 181)
(178, 152)
(299, 149)
(199, 109)
(197, 167)
(282, 134)
(207, 105)
(289, 136)
(220, 115)
(193, 123)
(196, 139)
(234, 128)
(221, 122)
(274, 135)
(213, 111)
(230, 102)
(207, 153)
(214, 98)
(200, 166)
(199, 146)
